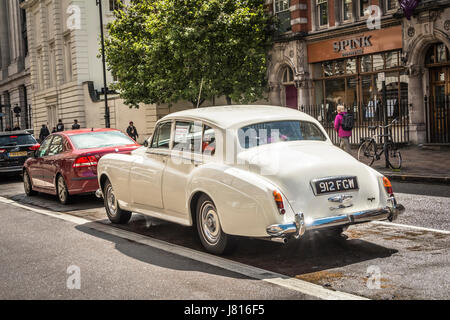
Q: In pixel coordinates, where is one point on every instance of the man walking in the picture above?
(343, 124)
(132, 132)
(44, 133)
(60, 126)
(75, 125)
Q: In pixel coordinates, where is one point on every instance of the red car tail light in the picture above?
(2, 150)
(279, 202)
(35, 147)
(388, 186)
(85, 161)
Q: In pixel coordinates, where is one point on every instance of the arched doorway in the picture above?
(291, 92)
(437, 61)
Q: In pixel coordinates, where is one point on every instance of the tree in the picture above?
(163, 51)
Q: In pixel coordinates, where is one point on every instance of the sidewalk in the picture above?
(420, 164)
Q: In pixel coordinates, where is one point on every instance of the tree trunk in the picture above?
(228, 100)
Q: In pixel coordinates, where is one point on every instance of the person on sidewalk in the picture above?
(343, 123)
(75, 125)
(44, 133)
(16, 127)
(8, 128)
(60, 126)
(132, 131)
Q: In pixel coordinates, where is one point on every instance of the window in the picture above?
(187, 136)
(277, 131)
(40, 70)
(281, 9)
(322, 12)
(67, 59)
(52, 65)
(44, 146)
(113, 5)
(100, 139)
(392, 4)
(288, 76)
(161, 138)
(52, 115)
(56, 147)
(347, 10)
(17, 140)
(209, 141)
(363, 5)
(438, 53)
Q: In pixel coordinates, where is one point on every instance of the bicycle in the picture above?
(368, 150)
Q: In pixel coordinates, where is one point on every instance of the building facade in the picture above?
(344, 51)
(15, 81)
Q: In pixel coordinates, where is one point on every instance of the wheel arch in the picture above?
(192, 204)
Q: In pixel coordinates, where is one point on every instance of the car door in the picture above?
(50, 162)
(36, 169)
(185, 155)
(147, 170)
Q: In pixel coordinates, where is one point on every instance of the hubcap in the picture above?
(111, 200)
(62, 189)
(210, 223)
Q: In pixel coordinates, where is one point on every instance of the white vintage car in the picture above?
(255, 171)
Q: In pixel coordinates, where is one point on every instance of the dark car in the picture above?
(66, 162)
(15, 148)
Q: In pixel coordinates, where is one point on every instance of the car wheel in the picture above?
(27, 184)
(209, 229)
(61, 189)
(115, 214)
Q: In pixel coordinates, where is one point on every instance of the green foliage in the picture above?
(162, 50)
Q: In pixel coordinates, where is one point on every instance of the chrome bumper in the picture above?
(99, 193)
(296, 229)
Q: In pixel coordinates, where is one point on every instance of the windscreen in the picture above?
(17, 140)
(276, 131)
(101, 139)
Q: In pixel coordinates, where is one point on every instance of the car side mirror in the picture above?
(146, 143)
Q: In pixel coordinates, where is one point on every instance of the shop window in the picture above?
(378, 62)
(347, 7)
(392, 59)
(363, 5)
(328, 69)
(392, 4)
(281, 9)
(437, 53)
(351, 66)
(366, 64)
(322, 12)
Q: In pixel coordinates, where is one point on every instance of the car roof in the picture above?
(240, 115)
(12, 133)
(81, 131)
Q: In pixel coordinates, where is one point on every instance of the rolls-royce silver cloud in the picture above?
(255, 171)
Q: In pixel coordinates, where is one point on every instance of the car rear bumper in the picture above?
(299, 226)
(79, 185)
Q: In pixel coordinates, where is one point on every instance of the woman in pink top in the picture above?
(344, 135)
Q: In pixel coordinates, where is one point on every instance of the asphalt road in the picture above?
(36, 251)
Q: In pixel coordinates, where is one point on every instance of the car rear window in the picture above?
(17, 140)
(101, 139)
(276, 131)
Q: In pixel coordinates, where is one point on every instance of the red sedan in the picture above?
(66, 162)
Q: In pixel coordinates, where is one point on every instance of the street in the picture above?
(41, 240)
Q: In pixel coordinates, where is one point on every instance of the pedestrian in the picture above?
(44, 133)
(75, 125)
(54, 130)
(132, 132)
(16, 127)
(8, 128)
(343, 124)
(60, 126)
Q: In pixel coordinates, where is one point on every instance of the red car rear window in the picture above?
(100, 139)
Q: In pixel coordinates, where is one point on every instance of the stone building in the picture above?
(336, 51)
(15, 84)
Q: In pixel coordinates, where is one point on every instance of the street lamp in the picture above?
(100, 11)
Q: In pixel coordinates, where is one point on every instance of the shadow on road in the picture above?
(315, 252)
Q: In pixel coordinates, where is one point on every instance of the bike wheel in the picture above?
(367, 152)
(395, 157)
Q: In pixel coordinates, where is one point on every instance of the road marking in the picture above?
(246, 270)
(390, 224)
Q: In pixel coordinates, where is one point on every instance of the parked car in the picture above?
(254, 171)
(15, 148)
(65, 163)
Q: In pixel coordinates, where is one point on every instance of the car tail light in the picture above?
(2, 150)
(279, 202)
(85, 161)
(35, 147)
(388, 186)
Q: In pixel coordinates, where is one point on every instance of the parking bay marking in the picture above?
(298, 285)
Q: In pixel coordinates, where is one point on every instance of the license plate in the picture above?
(338, 184)
(18, 154)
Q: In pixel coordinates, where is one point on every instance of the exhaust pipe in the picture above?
(279, 240)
